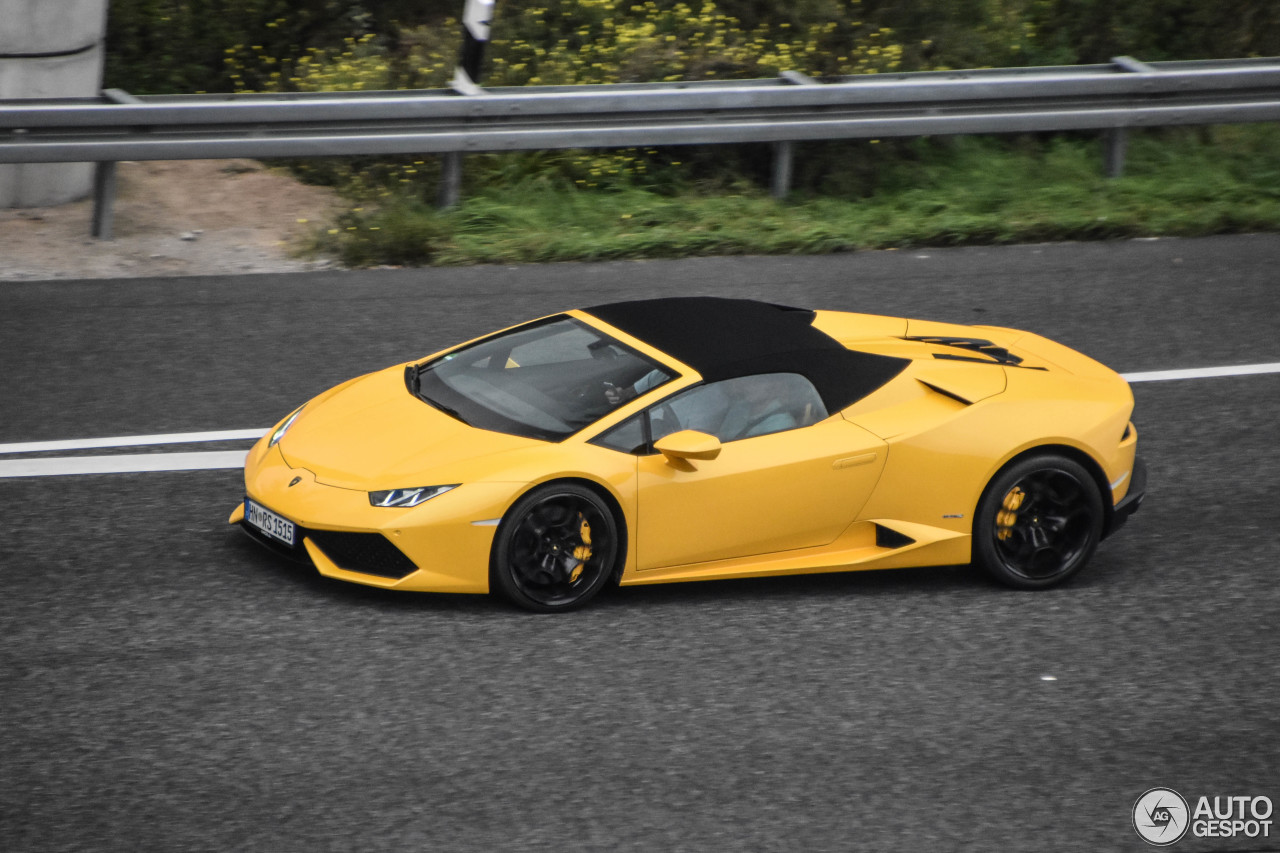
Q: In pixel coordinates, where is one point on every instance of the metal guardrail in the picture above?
(1124, 94)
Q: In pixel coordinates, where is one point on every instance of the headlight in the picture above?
(284, 427)
(408, 497)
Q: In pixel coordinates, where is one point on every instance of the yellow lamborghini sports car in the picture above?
(698, 438)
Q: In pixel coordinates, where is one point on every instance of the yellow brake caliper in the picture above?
(1009, 514)
(583, 552)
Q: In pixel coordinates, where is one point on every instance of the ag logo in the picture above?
(1161, 817)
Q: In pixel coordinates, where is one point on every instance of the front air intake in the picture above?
(366, 553)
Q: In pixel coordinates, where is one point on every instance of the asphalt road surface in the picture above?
(166, 685)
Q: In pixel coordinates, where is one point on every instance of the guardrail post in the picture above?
(1115, 141)
(784, 152)
(783, 160)
(104, 196)
(104, 178)
(449, 193)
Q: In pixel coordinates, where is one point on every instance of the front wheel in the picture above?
(1038, 522)
(555, 549)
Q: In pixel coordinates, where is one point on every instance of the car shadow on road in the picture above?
(962, 581)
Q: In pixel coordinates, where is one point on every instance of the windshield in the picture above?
(544, 380)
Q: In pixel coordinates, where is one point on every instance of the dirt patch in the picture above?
(172, 218)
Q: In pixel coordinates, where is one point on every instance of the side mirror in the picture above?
(688, 444)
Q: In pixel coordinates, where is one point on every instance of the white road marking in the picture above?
(133, 440)
(1203, 372)
(122, 464)
(131, 463)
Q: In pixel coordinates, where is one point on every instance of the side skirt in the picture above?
(855, 550)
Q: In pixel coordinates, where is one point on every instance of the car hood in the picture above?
(374, 434)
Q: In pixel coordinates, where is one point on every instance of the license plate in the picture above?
(275, 526)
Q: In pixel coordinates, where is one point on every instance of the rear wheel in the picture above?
(555, 549)
(1038, 522)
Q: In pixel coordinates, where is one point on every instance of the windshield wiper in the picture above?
(412, 378)
(453, 413)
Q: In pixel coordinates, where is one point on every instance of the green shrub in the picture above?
(932, 192)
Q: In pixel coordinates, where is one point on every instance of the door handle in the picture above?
(852, 461)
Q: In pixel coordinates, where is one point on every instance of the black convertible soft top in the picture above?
(724, 338)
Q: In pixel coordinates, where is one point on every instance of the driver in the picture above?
(616, 395)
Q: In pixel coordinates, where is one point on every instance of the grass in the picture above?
(910, 194)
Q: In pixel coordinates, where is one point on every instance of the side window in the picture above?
(744, 407)
(627, 437)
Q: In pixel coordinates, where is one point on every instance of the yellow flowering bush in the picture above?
(628, 41)
(568, 42)
(584, 41)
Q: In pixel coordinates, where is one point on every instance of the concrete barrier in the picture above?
(49, 49)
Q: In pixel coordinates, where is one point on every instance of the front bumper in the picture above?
(1132, 500)
(442, 545)
(365, 553)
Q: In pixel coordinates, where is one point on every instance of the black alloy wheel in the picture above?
(1038, 522)
(555, 549)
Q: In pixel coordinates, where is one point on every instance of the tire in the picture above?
(1038, 522)
(555, 549)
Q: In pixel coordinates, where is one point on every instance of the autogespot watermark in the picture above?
(1163, 817)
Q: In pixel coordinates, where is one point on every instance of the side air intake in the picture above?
(886, 538)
